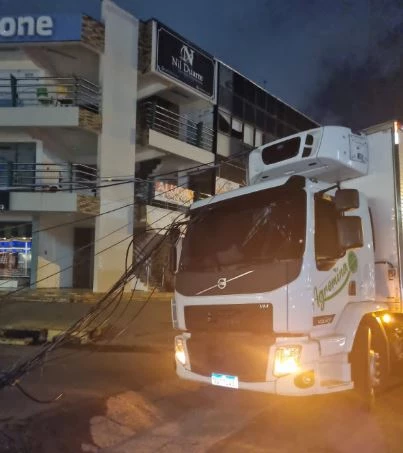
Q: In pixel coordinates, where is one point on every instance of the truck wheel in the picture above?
(370, 361)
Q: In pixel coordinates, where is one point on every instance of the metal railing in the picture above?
(42, 177)
(164, 194)
(177, 126)
(49, 91)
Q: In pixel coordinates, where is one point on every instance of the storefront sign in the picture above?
(184, 62)
(173, 194)
(40, 28)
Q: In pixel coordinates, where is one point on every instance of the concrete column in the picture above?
(116, 146)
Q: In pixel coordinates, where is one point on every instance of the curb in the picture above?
(29, 336)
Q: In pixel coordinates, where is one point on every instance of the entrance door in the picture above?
(83, 272)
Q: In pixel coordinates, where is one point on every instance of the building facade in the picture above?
(86, 105)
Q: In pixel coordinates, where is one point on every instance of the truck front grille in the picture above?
(254, 318)
(242, 355)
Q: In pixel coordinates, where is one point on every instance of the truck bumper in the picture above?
(315, 375)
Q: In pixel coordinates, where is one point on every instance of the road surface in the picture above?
(127, 399)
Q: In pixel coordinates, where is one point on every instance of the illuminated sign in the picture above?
(184, 62)
(40, 28)
(168, 192)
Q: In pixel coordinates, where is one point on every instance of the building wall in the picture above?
(15, 61)
(116, 150)
(54, 251)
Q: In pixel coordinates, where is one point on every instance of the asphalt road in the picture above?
(126, 398)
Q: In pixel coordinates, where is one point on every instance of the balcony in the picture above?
(167, 131)
(36, 187)
(50, 102)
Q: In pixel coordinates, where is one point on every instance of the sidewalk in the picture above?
(26, 321)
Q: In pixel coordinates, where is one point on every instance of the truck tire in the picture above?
(369, 361)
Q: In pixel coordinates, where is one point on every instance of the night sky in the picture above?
(292, 48)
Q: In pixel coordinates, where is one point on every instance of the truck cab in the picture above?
(276, 283)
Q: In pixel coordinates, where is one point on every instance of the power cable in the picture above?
(19, 370)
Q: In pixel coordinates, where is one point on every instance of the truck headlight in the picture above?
(287, 360)
(180, 354)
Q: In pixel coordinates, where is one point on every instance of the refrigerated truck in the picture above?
(293, 284)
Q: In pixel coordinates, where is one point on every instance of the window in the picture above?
(281, 130)
(249, 113)
(271, 104)
(282, 151)
(224, 122)
(248, 134)
(258, 137)
(237, 106)
(327, 248)
(225, 98)
(237, 127)
(260, 118)
(260, 98)
(270, 125)
(239, 84)
(249, 91)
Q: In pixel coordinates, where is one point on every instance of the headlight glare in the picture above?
(180, 354)
(287, 360)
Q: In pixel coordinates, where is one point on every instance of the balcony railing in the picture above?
(164, 194)
(49, 91)
(177, 126)
(65, 177)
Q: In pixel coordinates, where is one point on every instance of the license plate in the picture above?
(224, 380)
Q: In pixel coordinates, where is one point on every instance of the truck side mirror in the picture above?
(346, 199)
(349, 230)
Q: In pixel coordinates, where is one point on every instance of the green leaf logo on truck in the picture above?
(335, 284)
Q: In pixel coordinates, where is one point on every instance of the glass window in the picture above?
(237, 106)
(270, 125)
(258, 137)
(282, 151)
(281, 130)
(309, 140)
(239, 85)
(225, 98)
(270, 227)
(226, 75)
(271, 104)
(224, 122)
(327, 248)
(260, 118)
(267, 138)
(250, 90)
(248, 134)
(236, 129)
(281, 111)
(260, 98)
(249, 113)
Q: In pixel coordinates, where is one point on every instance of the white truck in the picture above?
(293, 284)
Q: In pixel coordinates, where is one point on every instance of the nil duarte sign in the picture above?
(40, 28)
(178, 59)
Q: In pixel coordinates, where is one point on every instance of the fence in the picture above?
(49, 91)
(48, 177)
(177, 126)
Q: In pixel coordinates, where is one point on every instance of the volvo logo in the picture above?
(222, 283)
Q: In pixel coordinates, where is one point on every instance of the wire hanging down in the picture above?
(103, 312)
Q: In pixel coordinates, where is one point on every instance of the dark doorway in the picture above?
(83, 263)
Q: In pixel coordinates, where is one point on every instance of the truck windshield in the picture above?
(259, 227)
